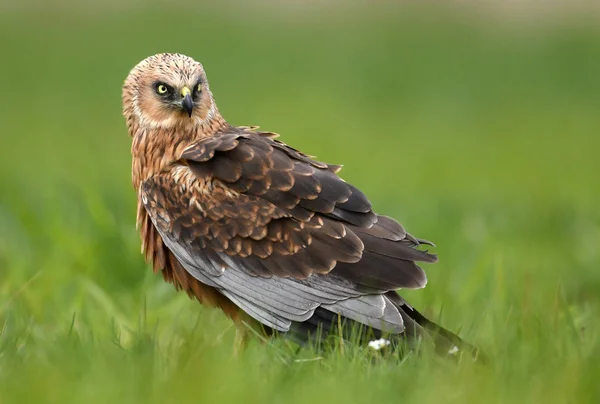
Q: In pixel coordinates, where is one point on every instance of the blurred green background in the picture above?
(477, 129)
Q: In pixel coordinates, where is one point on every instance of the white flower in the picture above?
(453, 351)
(378, 344)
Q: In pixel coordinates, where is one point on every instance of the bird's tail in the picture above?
(446, 342)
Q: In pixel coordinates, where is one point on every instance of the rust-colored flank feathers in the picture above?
(246, 223)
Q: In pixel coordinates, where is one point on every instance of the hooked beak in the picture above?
(187, 103)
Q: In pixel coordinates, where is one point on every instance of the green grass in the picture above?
(478, 135)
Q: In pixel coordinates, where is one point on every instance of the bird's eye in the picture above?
(162, 89)
(198, 87)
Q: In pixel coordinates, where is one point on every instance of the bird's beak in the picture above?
(187, 103)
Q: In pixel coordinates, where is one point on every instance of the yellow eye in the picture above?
(162, 89)
(199, 88)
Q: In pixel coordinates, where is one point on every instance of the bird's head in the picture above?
(167, 91)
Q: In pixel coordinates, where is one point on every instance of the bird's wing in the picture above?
(280, 234)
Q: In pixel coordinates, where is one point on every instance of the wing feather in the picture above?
(280, 234)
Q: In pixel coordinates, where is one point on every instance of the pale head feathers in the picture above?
(145, 108)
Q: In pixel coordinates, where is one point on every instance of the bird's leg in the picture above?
(245, 328)
(242, 336)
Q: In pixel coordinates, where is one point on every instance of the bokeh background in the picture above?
(476, 125)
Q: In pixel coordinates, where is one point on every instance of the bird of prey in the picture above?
(242, 221)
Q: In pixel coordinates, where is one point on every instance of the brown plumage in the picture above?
(244, 222)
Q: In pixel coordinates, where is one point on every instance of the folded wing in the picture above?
(280, 234)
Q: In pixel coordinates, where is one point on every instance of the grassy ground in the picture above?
(482, 137)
